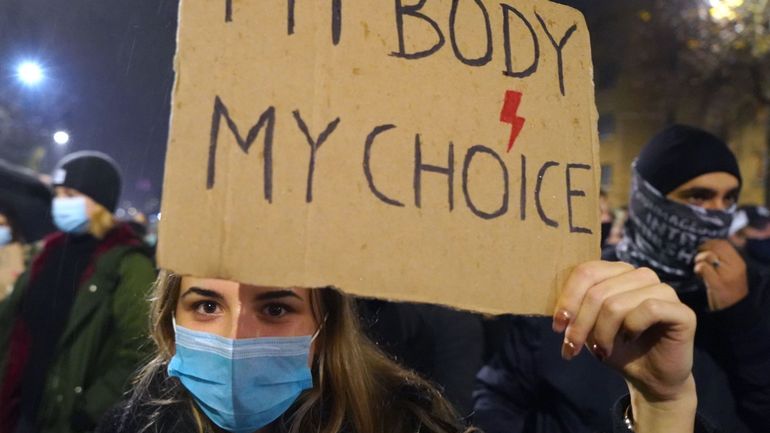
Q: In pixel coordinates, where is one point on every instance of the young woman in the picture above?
(243, 358)
(72, 330)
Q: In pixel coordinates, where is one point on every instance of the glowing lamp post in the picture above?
(30, 73)
(61, 138)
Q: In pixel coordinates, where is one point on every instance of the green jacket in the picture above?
(104, 341)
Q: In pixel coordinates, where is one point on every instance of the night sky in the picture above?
(109, 77)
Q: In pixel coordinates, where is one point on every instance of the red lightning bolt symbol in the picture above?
(508, 115)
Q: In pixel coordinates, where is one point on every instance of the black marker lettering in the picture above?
(523, 199)
(559, 47)
(412, 11)
(336, 21)
(466, 166)
(538, 189)
(487, 57)
(509, 72)
(575, 193)
(368, 169)
(419, 167)
(228, 11)
(267, 120)
(314, 146)
(290, 19)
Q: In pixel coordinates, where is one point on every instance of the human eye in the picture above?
(730, 200)
(207, 308)
(276, 310)
(698, 197)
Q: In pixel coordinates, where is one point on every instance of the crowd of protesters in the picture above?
(83, 349)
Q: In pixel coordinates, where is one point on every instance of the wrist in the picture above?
(676, 413)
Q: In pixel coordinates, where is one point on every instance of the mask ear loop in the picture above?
(320, 327)
(312, 339)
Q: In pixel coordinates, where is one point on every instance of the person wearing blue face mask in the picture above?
(685, 185)
(243, 358)
(72, 331)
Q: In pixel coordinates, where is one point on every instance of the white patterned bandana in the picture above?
(664, 235)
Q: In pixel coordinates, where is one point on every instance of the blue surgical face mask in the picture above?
(151, 239)
(5, 235)
(241, 385)
(70, 214)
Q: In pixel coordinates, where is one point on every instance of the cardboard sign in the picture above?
(438, 151)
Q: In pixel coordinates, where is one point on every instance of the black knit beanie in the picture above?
(91, 173)
(681, 153)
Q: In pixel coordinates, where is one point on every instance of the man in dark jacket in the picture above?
(73, 329)
(685, 184)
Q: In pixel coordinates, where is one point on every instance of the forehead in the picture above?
(234, 288)
(717, 181)
(65, 189)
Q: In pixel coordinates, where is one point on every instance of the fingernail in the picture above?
(568, 349)
(598, 352)
(560, 321)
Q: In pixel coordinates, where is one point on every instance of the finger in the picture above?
(679, 318)
(615, 309)
(706, 270)
(710, 258)
(723, 250)
(577, 332)
(580, 280)
(704, 256)
(661, 335)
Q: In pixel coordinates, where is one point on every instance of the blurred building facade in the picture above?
(646, 79)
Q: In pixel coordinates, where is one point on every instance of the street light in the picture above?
(30, 73)
(724, 9)
(61, 138)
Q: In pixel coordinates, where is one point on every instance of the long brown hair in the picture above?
(357, 388)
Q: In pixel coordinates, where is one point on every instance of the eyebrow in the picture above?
(698, 190)
(203, 292)
(277, 294)
(708, 191)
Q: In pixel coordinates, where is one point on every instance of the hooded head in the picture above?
(679, 154)
(685, 184)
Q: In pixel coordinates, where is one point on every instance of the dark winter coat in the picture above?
(443, 345)
(136, 416)
(104, 339)
(142, 414)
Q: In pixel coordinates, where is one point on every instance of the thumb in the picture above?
(710, 278)
(705, 269)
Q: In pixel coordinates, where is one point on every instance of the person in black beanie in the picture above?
(73, 329)
(685, 185)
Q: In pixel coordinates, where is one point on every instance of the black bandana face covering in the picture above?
(664, 235)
